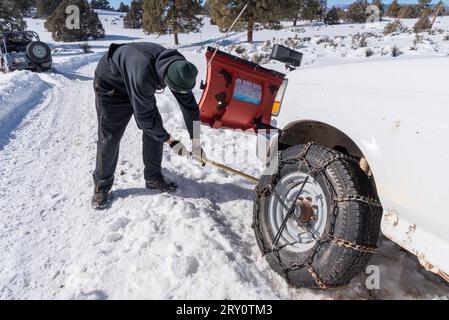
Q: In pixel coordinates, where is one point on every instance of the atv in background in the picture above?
(24, 51)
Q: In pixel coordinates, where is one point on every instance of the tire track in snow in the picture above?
(38, 187)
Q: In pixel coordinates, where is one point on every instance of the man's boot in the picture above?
(100, 199)
(161, 184)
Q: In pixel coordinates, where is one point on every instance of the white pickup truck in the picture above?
(378, 160)
(362, 149)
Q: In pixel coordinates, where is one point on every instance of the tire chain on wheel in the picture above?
(329, 237)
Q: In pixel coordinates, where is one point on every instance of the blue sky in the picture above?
(115, 3)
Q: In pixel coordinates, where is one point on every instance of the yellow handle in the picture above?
(226, 168)
(229, 169)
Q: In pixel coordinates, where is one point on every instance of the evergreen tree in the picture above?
(293, 10)
(332, 17)
(100, 4)
(408, 12)
(133, 19)
(123, 7)
(313, 9)
(380, 5)
(424, 7)
(44, 8)
(90, 24)
(288, 10)
(440, 8)
(423, 24)
(393, 9)
(24, 5)
(224, 12)
(172, 17)
(323, 9)
(41, 10)
(357, 12)
(11, 17)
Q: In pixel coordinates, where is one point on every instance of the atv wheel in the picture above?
(332, 232)
(38, 52)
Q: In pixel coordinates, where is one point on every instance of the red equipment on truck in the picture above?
(239, 94)
(242, 95)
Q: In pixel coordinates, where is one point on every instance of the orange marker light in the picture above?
(279, 97)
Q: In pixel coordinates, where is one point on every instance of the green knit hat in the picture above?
(181, 76)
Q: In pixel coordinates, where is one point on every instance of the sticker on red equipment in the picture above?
(248, 91)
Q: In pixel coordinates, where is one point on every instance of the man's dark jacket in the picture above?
(136, 71)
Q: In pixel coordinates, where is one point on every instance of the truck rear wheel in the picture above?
(317, 219)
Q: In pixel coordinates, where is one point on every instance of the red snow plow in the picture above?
(238, 94)
(242, 95)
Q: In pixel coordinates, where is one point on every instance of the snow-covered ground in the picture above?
(197, 243)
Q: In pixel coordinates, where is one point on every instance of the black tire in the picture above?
(38, 52)
(330, 263)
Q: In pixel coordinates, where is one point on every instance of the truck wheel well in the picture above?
(302, 132)
(305, 131)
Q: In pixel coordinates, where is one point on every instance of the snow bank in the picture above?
(19, 93)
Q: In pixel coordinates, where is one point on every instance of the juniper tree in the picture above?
(408, 12)
(100, 4)
(440, 10)
(380, 5)
(11, 18)
(224, 12)
(357, 12)
(424, 6)
(44, 8)
(90, 24)
(133, 19)
(293, 10)
(123, 7)
(332, 16)
(172, 17)
(24, 5)
(393, 9)
(313, 9)
(322, 10)
(423, 24)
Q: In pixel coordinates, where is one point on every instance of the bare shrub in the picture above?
(260, 57)
(239, 49)
(395, 27)
(306, 39)
(359, 41)
(423, 24)
(292, 42)
(268, 45)
(418, 39)
(369, 52)
(395, 51)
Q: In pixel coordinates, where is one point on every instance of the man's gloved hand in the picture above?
(179, 148)
(198, 153)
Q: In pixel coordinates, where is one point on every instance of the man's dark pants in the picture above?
(114, 110)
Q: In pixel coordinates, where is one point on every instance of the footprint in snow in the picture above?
(184, 266)
(94, 295)
(189, 211)
(114, 237)
(118, 224)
